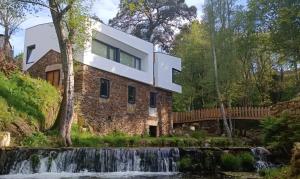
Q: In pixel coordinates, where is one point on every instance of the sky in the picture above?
(104, 9)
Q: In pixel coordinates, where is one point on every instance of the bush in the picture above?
(185, 163)
(229, 162)
(247, 161)
(37, 139)
(220, 142)
(281, 133)
(200, 135)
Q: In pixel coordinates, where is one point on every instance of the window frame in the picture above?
(108, 47)
(107, 88)
(137, 62)
(173, 73)
(29, 50)
(131, 101)
(155, 100)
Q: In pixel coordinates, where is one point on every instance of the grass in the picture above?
(24, 97)
(277, 173)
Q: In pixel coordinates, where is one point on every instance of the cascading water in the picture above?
(28, 161)
(261, 155)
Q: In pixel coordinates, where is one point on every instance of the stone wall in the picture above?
(105, 116)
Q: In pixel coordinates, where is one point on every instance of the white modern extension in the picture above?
(110, 50)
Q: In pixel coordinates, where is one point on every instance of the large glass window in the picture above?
(130, 60)
(104, 88)
(103, 50)
(131, 94)
(175, 76)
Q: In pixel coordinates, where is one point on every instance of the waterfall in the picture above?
(261, 155)
(73, 160)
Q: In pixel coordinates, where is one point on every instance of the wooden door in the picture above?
(53, 77)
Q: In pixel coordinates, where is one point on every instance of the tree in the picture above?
(12, 14)
(211, 8)
(153, 20)
(192, 45)
(70, 22)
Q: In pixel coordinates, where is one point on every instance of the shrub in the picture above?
(281, 132)
(220, 142)
(200, 135)
(247, 161)
(37, 139)
(185, 163)
(276, 173)
(229, 162)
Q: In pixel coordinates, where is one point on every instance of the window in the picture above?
(115, 54)
(29, 52)
(152, 100)
(104, 88)
(104, 50)
(175, 76)
(131, 94)
(53, 77)
(130, 60)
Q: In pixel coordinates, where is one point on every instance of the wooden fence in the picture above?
(249, 113)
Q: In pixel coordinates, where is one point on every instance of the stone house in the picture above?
(121, 84)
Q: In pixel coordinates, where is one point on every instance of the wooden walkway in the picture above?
(242, 113)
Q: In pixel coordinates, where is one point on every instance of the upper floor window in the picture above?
(131, 94)
(29, 52)
(115, 54)
(104, 50)
(104, 88)
(175, 76)
(130, 60)
(152, 100)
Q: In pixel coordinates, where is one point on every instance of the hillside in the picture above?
(27, 105)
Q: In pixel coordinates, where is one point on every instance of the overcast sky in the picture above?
(104, 9)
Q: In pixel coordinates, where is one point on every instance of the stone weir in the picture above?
(28, 161)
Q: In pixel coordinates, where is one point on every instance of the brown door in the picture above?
(53, 77)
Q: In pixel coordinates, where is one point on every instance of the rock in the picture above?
(4, 139)
(295, 162)
(192, 128)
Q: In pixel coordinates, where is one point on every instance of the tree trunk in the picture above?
(66, 52)
(221, 103)
(6, 45)
(68, 96)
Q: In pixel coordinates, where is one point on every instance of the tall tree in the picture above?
(153, 20)
(12, 14)
(216, 15)
(70, 22)
(192, 45)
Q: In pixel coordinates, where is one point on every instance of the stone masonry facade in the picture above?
(107, 115)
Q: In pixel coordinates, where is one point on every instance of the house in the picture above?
(121, 84)
(10, 48)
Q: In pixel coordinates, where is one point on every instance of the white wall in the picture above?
(125, 42)
(44, 38)
(163, 71)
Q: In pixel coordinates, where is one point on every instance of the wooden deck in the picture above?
(246, 113)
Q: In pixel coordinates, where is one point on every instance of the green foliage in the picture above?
(247, 161)
(37, 139)
(230, 162)
(29, 96)
(282, 132)
(185, 163)
(276, 173)
(200, 135)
